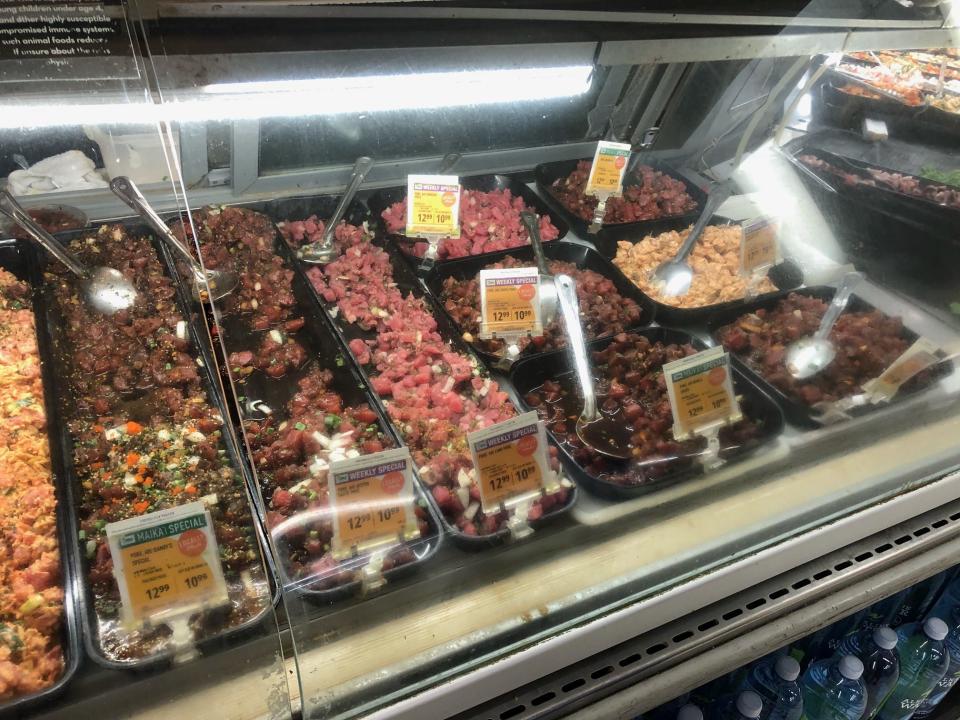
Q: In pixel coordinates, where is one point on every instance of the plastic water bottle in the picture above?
(919, 600)
(948, 600)
(775, 681)
(747, 706)
(690, 712)
(669, 710)
(953, 671)
(883, 613)
(923, 663)
(881, 665)
(832, 690)
(825, 641)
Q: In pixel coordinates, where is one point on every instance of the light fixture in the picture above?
(318, 97)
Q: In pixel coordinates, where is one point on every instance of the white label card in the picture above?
(433, 206)
(700, 388)
(510, 303)
(373, 498)
(166, 563)
(609, 165)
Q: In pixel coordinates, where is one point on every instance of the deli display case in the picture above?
(465, 360)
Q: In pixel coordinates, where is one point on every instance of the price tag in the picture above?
(510, 459)
(166, 562)
(373, 498)
(701, 394)
(433, 206)
(759, 248)
(510, 302)
(918, 357)
(609, 165)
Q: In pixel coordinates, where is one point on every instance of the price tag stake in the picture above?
(702, 399)
(167, 564)
(433, 208)
(511, 463)
(915, 359)
(610, 163)
(372, 496)
(510, 303)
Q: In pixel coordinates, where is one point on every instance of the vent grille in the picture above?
(587, 681)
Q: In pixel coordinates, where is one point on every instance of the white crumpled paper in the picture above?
(71, 170)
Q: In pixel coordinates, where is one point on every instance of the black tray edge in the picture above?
(66, 529)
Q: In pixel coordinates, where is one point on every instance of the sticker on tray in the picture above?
(510, 460)
(915, 359)
(510, 302)
(433, 206)
(701, 393)
(759, 248)
(166, 563)
(373, 499)
(609, 165)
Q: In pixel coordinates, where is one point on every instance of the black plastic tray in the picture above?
(942, 219)
(407, 282)
(797, 412)
(531, 373)
(238, 461)
(320, 340)
(582, 256)
(785, 275)
(547, 173)
(382, 199)
(923, 123)
(19, 258)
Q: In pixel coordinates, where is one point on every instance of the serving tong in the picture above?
(207, 284)
(107, 289)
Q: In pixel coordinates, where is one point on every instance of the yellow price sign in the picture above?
(609, 165)
(166, 561)
(510, 460)
(433, 206)
(510, 302)
(700, 388)
(372, 496)
(759, 248)
(915, 359)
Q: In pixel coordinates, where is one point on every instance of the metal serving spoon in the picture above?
(547, 289)
(674, 276)
(607, 434)
(107, 289)
(324, 251)
(219, 283)
(808, 356)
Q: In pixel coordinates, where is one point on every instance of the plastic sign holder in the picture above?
(513, 470)
(372, 498)
(759, 251)
(606, 177)
(433, 210)
(167, 567)
(702, 399)
(510, 307)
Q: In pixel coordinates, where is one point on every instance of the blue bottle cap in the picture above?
(935, 628)
(749, 704)
(851, 667)
(787, 668)
(885, 637)
(690, 712)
